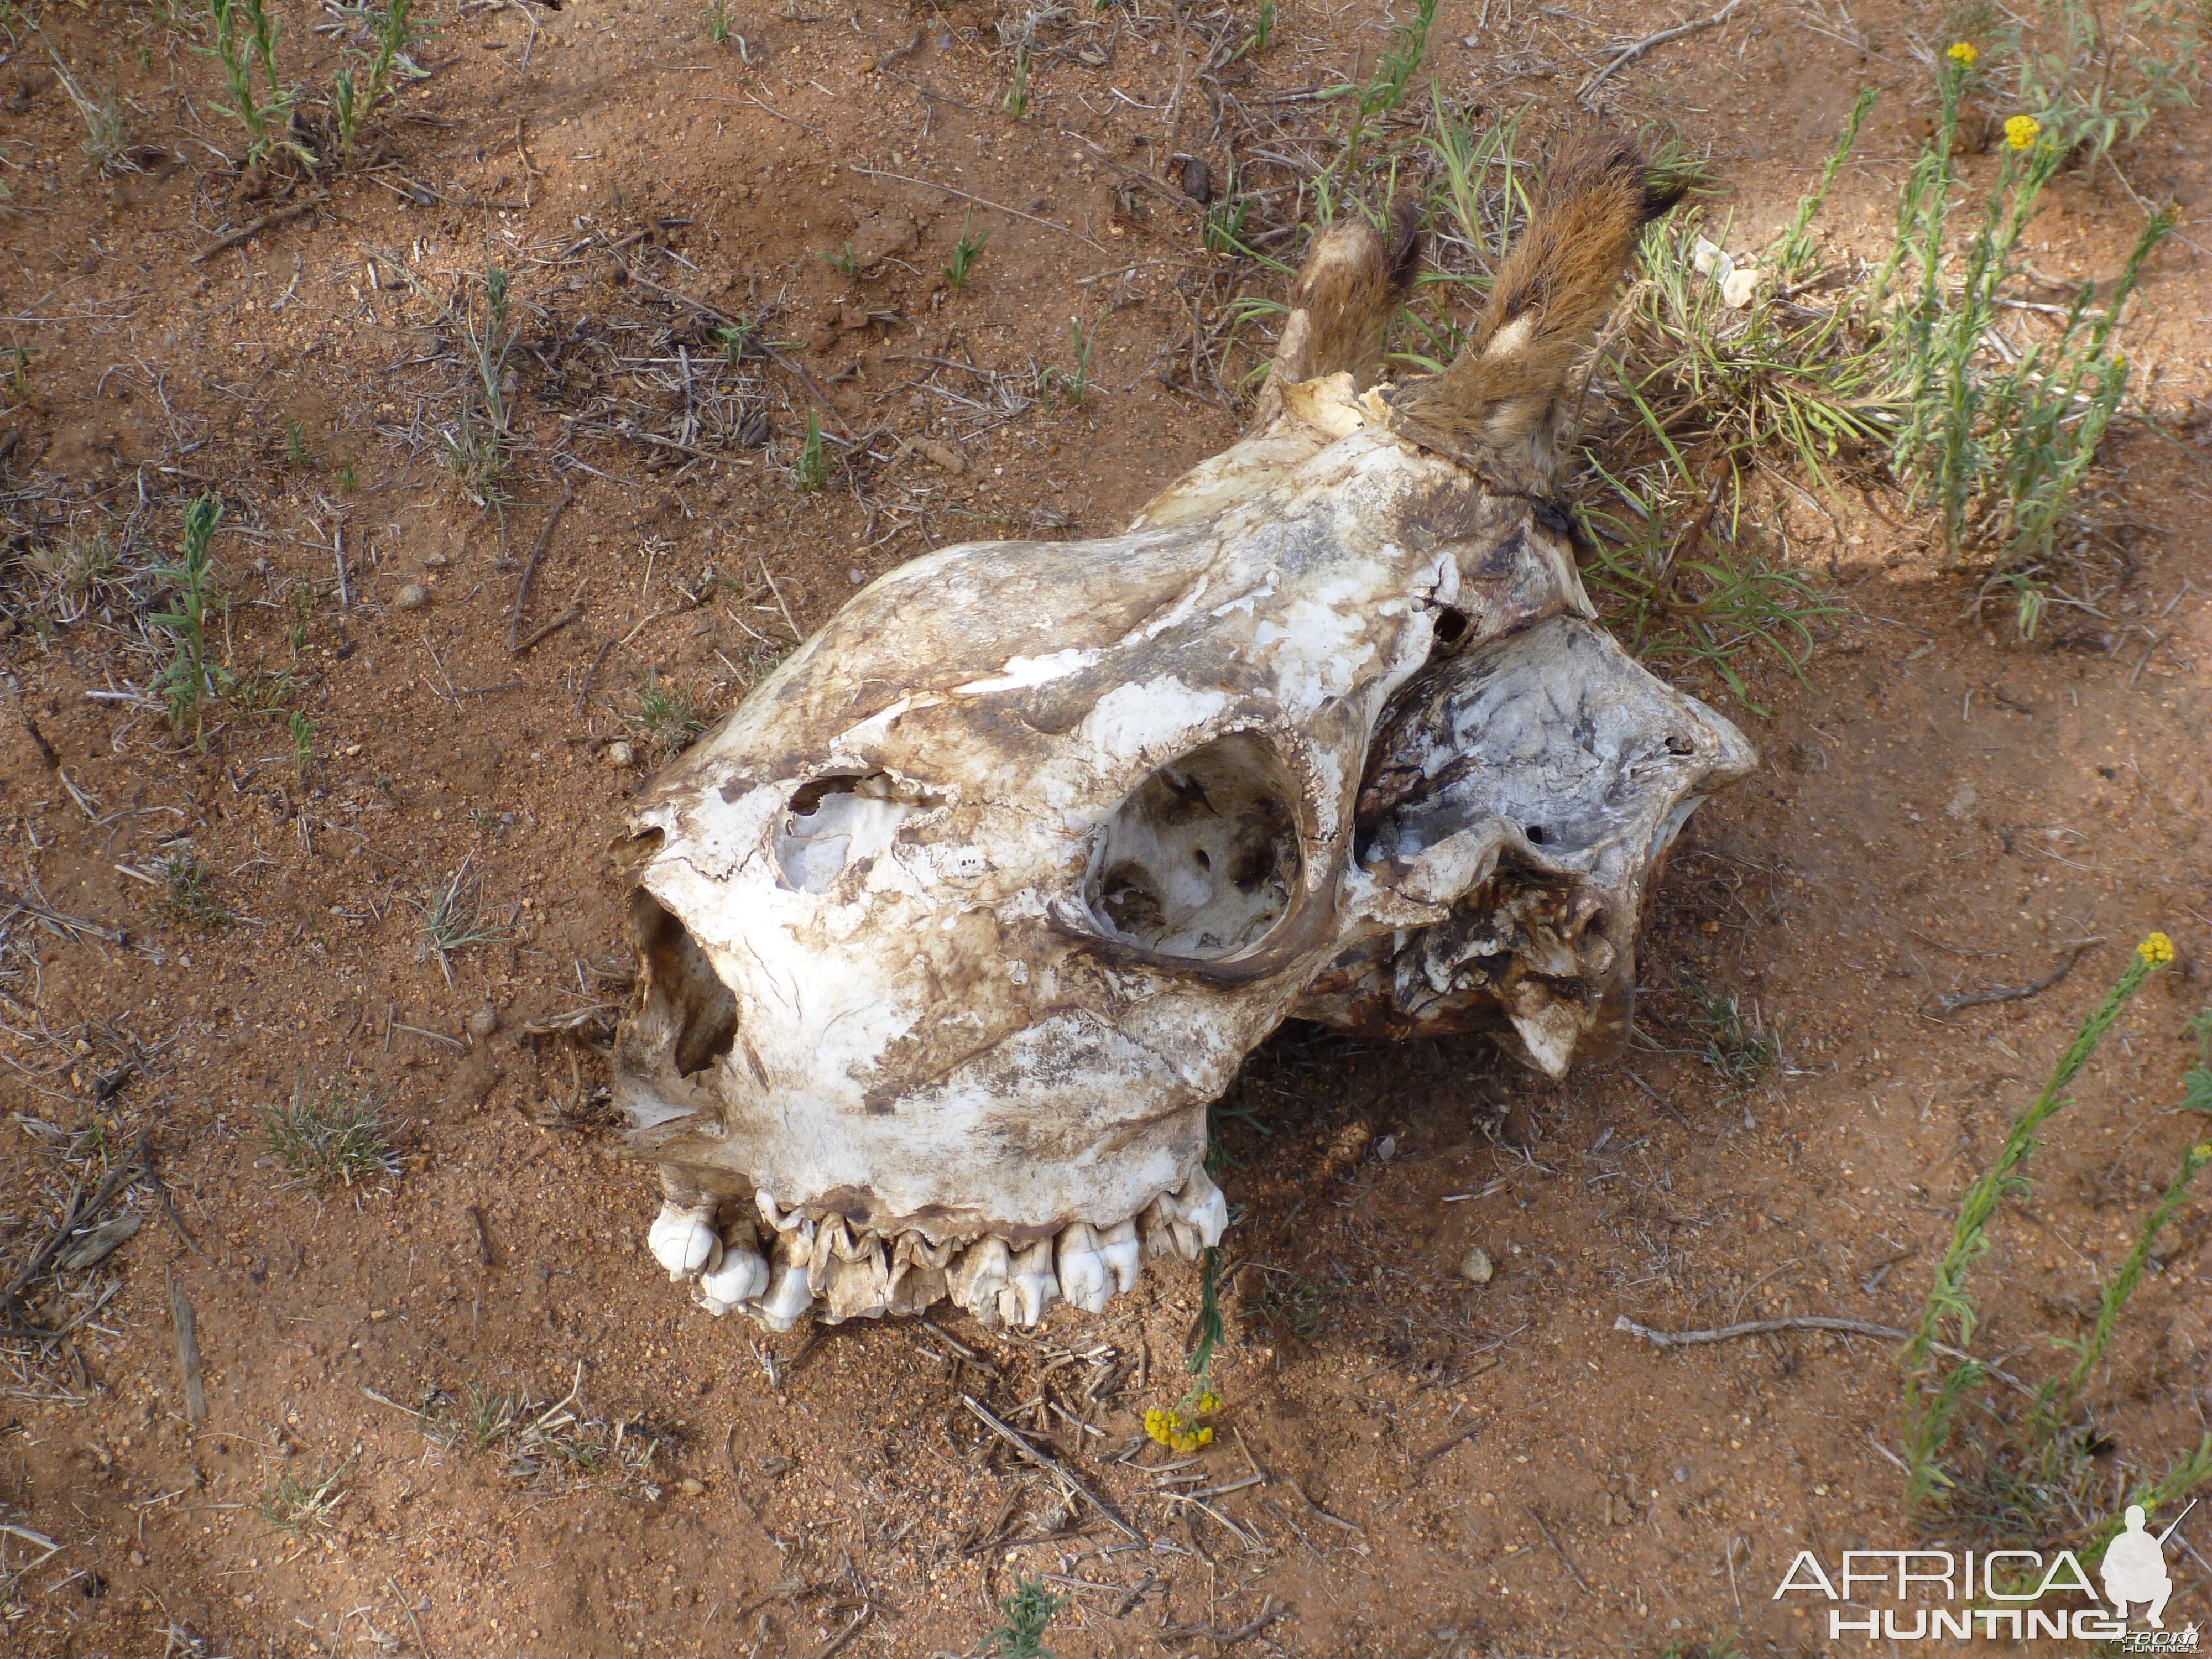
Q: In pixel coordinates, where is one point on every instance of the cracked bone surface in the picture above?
(948, 934)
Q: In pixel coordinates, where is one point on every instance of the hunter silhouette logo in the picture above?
(2135, 1566)
(1897, 1597)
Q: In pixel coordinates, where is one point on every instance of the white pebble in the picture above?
(1475, 1267)
(622, 754)
(413, 597)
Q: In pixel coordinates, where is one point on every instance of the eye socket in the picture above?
(679, 991)
(842, 820)
(1201, 858)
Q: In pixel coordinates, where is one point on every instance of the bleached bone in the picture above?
(948, 933)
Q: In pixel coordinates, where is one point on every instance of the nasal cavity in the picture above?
(1201, 859)
(843, 820)
(682, 1001)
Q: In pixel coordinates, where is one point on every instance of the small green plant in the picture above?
(1224, 228)
(1016, 103)
(1183, 1428)
(296, 1505)
(813, 470)
(298, 452)
(1793, 254)
(2094, 77)
(1263, 29)
(1029, 1613)
(965, 252)
(667, 713)
(303, 741)
(1998, 448)
(107, 132)
(1740, 1047)
(2039, 1472)
(1294, 1304)
(1385, 88)
(19, 373)
(346, 477)
(844, 263)
(477, 443)
(333, 1139)
(355, 97)
(717, 20)
(188, 678)
(243, 34)
(187, 895)
(735, 342)
(453, 919)
(1072, 385)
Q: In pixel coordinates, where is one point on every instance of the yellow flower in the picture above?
(2156, 950)
(1209, 1401)
(1161, 1425)
(1203, 1437)
(2023, 131)
(1963, 54)
(2203, 1152)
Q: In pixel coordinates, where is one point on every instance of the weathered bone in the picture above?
(948, 933)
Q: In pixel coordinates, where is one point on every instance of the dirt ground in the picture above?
(527, 1441)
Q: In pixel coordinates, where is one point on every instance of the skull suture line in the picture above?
(950, 932)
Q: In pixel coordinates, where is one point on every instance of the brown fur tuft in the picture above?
(1553, 291)
(1353, 281)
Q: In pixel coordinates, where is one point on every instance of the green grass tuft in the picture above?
(335, 1140)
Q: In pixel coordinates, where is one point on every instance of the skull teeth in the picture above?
(828, 1270)
(682, 1240)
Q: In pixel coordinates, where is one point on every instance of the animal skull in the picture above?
(949, 933)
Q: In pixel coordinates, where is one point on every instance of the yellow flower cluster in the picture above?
(1963, 54)
(1176, 1432)
(2023, 131)
(2157, 950)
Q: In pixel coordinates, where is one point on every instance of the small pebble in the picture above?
(1475, 1267)
(483, 1021)
(413, 597)
(691, 1488)
(622, 754)
(1387, 1148)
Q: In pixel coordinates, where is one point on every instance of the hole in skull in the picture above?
(1451, 628)
(680, 992)
(842, 820)
(1535, 834)
(1199, 859)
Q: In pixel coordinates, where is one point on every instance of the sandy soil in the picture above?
(1410, 1464)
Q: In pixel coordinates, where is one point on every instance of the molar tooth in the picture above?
(743, 1275)
(1183, 1222)
(1122, 1255)
(917, 1273)
(1084, 1277)
(1031, 1287)
(778, 1218)
(787, 1298)
(1204, 1208)
(682, 1239)
(848, 1273)
(979, 1276)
